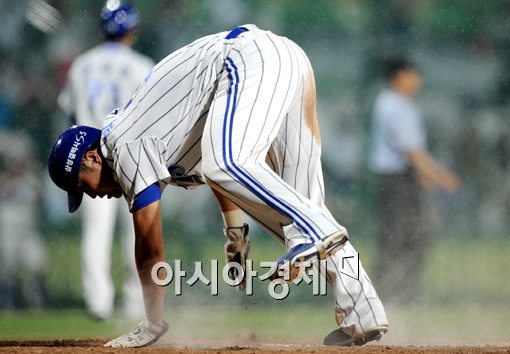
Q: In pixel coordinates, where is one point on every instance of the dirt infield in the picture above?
(95, 346)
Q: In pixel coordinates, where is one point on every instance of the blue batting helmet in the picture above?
(118, 18)
(65, 159)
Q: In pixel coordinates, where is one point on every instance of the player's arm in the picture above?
(145, 207)
(431, 172)
(408, 134)
(149, 250)
(237, 245)
(226, 206)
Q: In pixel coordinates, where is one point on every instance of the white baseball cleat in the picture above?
(146, 333)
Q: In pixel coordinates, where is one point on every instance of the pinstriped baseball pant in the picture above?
(261, 149)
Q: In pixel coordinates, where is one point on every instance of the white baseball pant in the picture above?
(261, 149)
(99, 219)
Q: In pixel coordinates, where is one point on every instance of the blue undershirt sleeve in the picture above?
(148, 196)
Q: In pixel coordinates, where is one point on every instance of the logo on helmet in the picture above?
(79, 139)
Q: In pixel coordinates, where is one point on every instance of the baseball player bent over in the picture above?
(235, 110)
(100, 80)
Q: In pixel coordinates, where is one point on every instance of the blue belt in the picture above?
(236, 32)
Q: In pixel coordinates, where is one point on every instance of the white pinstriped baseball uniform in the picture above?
(100, 80)
(239, 113)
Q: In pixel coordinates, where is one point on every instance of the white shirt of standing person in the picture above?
(101, 80)
(397, 127)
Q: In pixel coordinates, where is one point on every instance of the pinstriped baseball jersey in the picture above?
(100, 80)
(157, 136)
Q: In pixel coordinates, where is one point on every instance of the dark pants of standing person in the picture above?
(402, 240)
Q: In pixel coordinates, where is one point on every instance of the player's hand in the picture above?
(236, 250)
(146, 333)
(450, 182)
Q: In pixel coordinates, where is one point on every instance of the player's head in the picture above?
(76, 166)
(118, 19)
(403, 75)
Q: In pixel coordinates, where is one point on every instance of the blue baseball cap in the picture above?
(118, 18)
(65, 159)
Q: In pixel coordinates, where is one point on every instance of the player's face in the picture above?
(409, 81)
(97, 180)
(95, 184)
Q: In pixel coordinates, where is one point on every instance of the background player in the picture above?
(401, 161)
(100, 80)
(23, 256)
(238, 111)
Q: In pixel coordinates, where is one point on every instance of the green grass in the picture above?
(472, 271)
(485, 324)
(52, 324)
(465, 286)
(266, 322)
(207, 322)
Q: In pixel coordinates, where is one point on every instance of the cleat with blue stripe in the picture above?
(287, 266)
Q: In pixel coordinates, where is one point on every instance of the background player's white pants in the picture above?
(99, 219)
(261, 148)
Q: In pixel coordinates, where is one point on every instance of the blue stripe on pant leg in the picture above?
(289, 212)
(242, 176)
